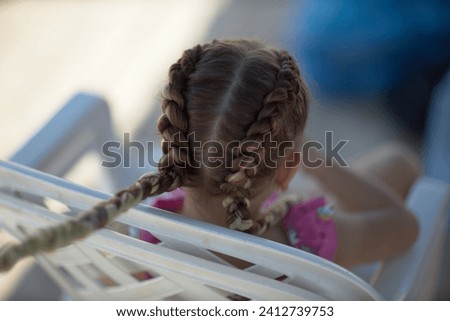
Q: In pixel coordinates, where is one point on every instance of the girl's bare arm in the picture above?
(384, 227)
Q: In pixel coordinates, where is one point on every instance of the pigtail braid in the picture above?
(86, 222)
(277, 105)
(276, 212)
(173, 123)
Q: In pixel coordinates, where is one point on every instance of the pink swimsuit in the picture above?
(309, 225)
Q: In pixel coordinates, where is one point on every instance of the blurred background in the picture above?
(378, 70)
(372, 68)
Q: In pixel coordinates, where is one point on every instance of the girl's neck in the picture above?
(207, 210)
(210, 209)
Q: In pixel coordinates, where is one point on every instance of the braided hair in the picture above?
(228, 91)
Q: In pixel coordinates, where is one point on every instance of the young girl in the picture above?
(232, 118)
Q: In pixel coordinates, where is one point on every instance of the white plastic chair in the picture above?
(184, 265)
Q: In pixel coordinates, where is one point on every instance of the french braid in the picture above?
(173, 126)
(277, 105)
(173, 123)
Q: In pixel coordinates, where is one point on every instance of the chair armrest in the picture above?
(414, 274)
(82, 125)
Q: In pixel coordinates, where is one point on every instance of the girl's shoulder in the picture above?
(171, 201)
(308, 224)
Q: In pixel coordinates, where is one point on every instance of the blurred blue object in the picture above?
(366, 48)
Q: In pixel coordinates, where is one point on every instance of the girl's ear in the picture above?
(287, 169)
